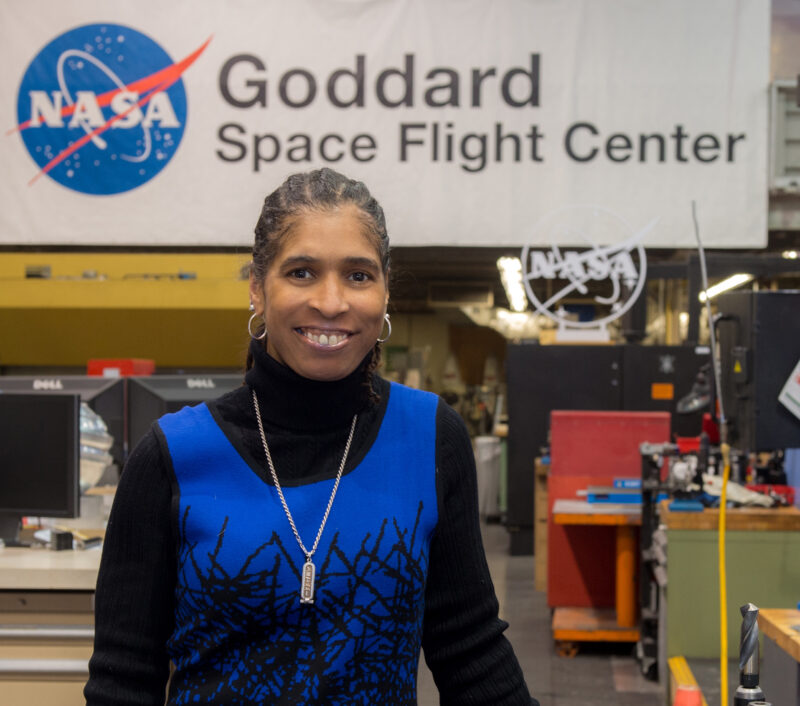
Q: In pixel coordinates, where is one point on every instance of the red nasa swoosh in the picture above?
(148, 86)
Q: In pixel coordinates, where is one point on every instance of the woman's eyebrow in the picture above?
(354, 261)
(362, 262)
(298, 260)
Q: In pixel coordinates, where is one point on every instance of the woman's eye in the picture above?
(360, 277)
(300, 273)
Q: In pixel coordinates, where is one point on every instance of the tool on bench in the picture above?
(748, 691)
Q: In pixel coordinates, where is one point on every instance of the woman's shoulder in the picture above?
(234, 406)
(405, 392)
(451, 428)
(238, 396)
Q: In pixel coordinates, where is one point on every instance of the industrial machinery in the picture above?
(759, 341)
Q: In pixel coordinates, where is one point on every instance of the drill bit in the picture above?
(748, 691)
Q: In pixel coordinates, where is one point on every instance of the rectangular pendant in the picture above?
(307, 584)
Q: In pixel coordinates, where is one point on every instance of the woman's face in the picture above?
(324, 296)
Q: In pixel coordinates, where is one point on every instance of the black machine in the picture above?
(39, 459)
(759, 344)
(106, 396)
(627, 377)
(759, 341)
(151, 397)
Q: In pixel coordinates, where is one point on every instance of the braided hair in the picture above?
(316, 191)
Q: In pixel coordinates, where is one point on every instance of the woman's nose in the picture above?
(329, 297)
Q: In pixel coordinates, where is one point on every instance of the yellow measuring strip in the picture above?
(681, 675)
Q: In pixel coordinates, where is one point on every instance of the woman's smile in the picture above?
(325, 338)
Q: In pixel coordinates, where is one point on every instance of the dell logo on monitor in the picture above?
(200, 383)
(53, 384)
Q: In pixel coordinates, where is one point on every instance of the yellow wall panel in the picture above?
(180, 309)
(120, 265)
(173, 338)
(124, 281)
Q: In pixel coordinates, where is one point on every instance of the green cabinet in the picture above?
(763, 567)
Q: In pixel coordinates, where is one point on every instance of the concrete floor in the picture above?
(600, 674)
(707, 674)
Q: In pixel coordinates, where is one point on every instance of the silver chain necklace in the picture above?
(309, 570)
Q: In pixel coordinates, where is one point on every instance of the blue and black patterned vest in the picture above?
(241, 634)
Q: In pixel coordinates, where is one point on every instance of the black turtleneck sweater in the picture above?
(307, 423)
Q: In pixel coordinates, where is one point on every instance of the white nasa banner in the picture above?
(166, 123)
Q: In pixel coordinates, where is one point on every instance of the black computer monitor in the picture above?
(39, 459)
(106, 396)
(151, 397)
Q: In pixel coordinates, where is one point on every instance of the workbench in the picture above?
(780, 657)
(46, 624)
(579, 624)
(592, 550)
(763, 567)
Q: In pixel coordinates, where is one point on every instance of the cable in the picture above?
(726, 464)
(714, 361)
(723, 581)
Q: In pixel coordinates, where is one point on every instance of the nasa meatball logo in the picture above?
(606, 265)
(102, 108)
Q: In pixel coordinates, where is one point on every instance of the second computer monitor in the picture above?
(151, 397)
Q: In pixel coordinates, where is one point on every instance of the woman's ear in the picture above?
(256, 295)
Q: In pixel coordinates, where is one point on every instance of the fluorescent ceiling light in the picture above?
(511, 277)
(515, 318)
(725, 285)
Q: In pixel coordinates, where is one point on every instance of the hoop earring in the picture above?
(250, 328)
(389, 324)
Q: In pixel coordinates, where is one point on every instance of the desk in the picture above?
(739, 518)
(780, 660)
(591, 448)
(591, 624)
(763, 567)
(46, 624)
(43, 570)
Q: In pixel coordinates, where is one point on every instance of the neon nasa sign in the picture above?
(102, 108)
(608, 269)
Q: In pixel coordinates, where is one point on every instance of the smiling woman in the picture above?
(300, 539)
(324, 295)
(320, 269)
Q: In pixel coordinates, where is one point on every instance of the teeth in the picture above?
(330, 339)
